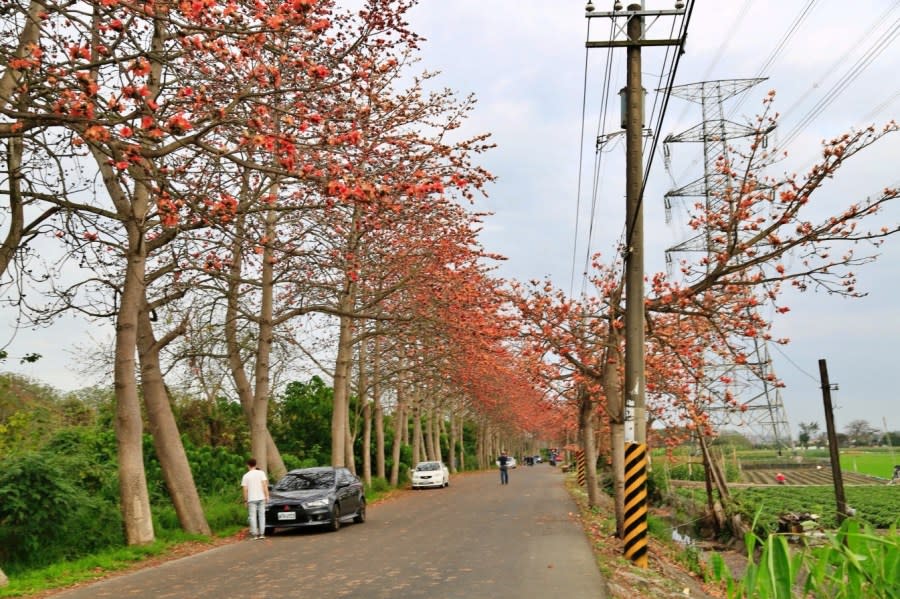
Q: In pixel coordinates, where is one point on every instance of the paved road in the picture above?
(475, 539)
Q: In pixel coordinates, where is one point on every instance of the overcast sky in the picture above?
(525, 62)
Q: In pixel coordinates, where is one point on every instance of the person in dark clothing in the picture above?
(503, 461)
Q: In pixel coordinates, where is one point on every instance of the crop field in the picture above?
(805, 476)
(879, 464)
(879, 506)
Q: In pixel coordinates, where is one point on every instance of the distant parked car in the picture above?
(510, 462)
(430, 474)
(315, 497)
(538, 459)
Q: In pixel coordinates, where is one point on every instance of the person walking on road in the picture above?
(255, 485)
(503, 461)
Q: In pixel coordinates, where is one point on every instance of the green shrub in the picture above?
(854, 562)
(225, 513)
(379, 485)
(216, 470)
(45, 516)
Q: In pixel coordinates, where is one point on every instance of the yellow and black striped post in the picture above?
(579, 460)
(636, 503)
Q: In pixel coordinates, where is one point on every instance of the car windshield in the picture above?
(424, 466)
(304, 481)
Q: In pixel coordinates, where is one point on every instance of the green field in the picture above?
(873, 463)
(877, 505)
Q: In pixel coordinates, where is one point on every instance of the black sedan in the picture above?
(315, 497)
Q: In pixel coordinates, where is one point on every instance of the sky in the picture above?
(526, 63)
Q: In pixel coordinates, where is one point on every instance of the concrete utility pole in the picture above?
(833, 444)
(634, 527)
(635, 381)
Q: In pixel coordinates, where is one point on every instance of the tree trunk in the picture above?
(462, 444)
(16, 216)
(429, 434)
(481, 442)
(615, 406)
(349, 460)
(259, 432)
(451, 449)
(340, 414)
(378, 412)
(399, 424)
(363, 395)
(172, 459)
(270, 456)
(417, 433)
(438, 432)
(718, 509)
(28, 38)
(405, 430)
(135, 499)
(617, 438)
(586, 432)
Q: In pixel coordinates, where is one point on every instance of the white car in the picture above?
(430, 474)
(510, 462)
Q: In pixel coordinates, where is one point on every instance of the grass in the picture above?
(874, 461)
(89, 568)
(880, 464)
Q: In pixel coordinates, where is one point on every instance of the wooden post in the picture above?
(833, 444)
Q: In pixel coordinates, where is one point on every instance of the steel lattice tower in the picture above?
(751, 382)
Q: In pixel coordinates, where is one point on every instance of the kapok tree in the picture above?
(754, 226)
(132, 85)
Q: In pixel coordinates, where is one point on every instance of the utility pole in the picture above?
(635, 382)
(634, 530)
(832, 443)
(632, 120)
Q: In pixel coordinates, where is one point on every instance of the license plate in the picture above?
(287, 515)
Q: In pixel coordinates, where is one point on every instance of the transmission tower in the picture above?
(753, 382)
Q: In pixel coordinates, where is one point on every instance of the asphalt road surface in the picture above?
(475, 539)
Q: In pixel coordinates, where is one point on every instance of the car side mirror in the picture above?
(342, 484)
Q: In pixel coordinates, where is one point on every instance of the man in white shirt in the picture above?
(255, 485)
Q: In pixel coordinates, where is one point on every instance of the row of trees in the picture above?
(856, 432)
(59, 449)
(243, 186)
(237, 185)
(761, 233)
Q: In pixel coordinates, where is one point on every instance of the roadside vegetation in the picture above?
(58, 457)
(859, 558)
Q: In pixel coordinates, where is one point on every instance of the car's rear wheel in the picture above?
(270, 530)
(361, 514)
(336, 518)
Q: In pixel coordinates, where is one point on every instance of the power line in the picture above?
(875, 50)
(779, 47)
(882, 107)
(598, 158)
(794, 364)
(662, 114)
(720, 51)
(833, 67)
(580, 160)
(767, 63)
